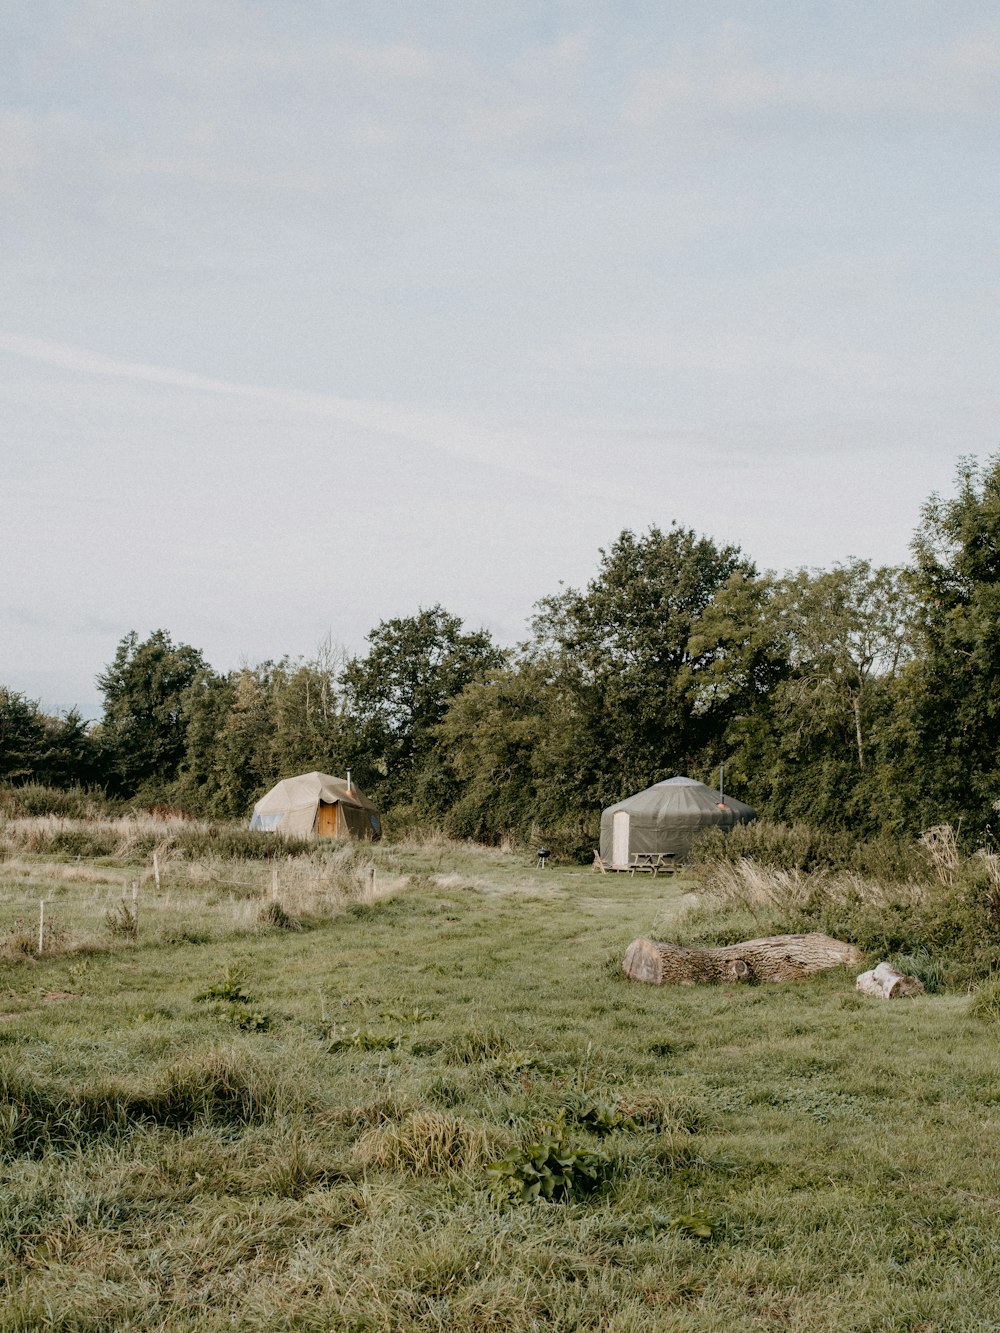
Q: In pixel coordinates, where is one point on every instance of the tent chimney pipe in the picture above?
(348, 779)
(722, 780)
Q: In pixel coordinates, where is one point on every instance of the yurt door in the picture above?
(619, 838)
(326, 820)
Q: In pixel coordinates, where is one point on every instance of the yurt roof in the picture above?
(683, 796)
(307, 790)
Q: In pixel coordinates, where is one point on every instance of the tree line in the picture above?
(862, 697)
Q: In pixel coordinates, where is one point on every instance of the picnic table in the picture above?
(652, 862)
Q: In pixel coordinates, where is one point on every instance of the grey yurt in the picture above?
(666, 818)
(317, 805)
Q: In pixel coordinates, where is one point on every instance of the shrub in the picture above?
(32, 800)
(805, 848)
(955, 925)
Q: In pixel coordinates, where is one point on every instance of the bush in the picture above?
(32, 800)
(803, 847)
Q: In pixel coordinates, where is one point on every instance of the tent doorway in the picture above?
(619, 838)
(326, 820)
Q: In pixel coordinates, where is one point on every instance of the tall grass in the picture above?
(947, 914)
(806, 848)
(135, 837)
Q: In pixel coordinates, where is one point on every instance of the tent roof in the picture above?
(681, 796)
(307, 790)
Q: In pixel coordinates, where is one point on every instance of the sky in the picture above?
(312, 315)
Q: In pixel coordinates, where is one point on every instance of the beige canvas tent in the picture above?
(317, 805)
(666, 818)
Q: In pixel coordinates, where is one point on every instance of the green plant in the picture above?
(699, 1226)
(596, 1116)
(229, 989)
(121, 921)
(553, 1167)
(248, 1020)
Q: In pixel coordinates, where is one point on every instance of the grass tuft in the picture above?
(427, 1143)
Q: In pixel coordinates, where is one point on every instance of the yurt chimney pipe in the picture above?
(722, 787)
(348, 781)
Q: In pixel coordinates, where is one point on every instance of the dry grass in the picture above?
(746, 884)
(195, 899)
(124, 834)
(941, 846)
(429, 1143)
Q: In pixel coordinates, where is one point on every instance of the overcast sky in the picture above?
(313, 314)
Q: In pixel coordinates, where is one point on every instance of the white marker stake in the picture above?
(41, 924)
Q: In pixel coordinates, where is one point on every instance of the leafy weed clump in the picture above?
(554, 1167)
(230, 989)
(596, 1116)
(233, 1003)
(364, 1039)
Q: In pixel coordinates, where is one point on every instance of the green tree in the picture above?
(949, 731)
(22, 736)
(398, 694)
(635, 655)
(142, 733)
(506, 740)
(849, 630)
(847, 634)
(37, 747)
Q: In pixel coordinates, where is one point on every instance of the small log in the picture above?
(775, 958)
(886, 983)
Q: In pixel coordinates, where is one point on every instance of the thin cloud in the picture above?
(728, 82)
(450, 434)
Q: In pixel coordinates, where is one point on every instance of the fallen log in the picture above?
(775, 958)
(886, 983)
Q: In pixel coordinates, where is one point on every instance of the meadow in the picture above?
(407, 1087)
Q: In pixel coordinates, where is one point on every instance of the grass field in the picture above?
(233, 1123)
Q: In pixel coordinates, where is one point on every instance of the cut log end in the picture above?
(884, 982)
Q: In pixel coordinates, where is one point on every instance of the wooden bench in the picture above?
(651, 863)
